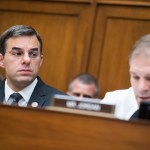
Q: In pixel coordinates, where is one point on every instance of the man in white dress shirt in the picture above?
(127, 101)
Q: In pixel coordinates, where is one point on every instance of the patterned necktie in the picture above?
(16, 97)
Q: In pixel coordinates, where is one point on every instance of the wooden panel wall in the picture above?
(82, 36)
(117, 28)
(65, 29)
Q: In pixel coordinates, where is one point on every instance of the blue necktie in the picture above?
(16, 97)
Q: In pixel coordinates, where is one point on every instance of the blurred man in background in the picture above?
(84, 86)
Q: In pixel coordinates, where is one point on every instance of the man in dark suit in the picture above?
(21, 57)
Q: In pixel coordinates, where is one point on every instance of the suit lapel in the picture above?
(37, 98)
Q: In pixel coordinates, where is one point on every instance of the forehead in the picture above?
(24, 42)
(79, 86)
(140, 64)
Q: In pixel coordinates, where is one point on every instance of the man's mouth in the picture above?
(144, 98)
(25, 71)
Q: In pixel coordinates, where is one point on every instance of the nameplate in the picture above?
(87, 104)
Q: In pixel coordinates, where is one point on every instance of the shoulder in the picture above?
(43, 93)
(118, 95)
(47, 89)
(120, 92)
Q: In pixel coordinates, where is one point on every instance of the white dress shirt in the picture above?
(125, 102)
(25, 93)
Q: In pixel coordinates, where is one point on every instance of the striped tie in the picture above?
(16, 97)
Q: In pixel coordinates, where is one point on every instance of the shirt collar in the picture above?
(26, 92)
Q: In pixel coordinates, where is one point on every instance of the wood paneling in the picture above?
(36, 129)
(65, 29)
(116, 30)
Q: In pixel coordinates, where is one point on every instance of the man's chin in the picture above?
(25, 80)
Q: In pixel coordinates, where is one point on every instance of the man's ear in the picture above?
(2, 61)
(41, 60)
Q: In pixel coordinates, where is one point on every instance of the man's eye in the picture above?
(76, 94)
(33, 54)
(17, 53)
(87, 96)
(136, 77)
(148, 78)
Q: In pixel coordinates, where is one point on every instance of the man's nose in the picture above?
(26, 58)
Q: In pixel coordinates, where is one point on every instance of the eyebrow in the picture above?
(83, 94)
(135, 74)
(17, 48)
(131, 72)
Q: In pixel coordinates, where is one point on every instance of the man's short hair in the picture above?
(86, 79)
(16, 31)
(142, 46)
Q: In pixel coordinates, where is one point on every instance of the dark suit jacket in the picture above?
(42, 94)
(135, 115)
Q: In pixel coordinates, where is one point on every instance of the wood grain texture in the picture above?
(27, 128)
(65, 29)
(116, 30)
